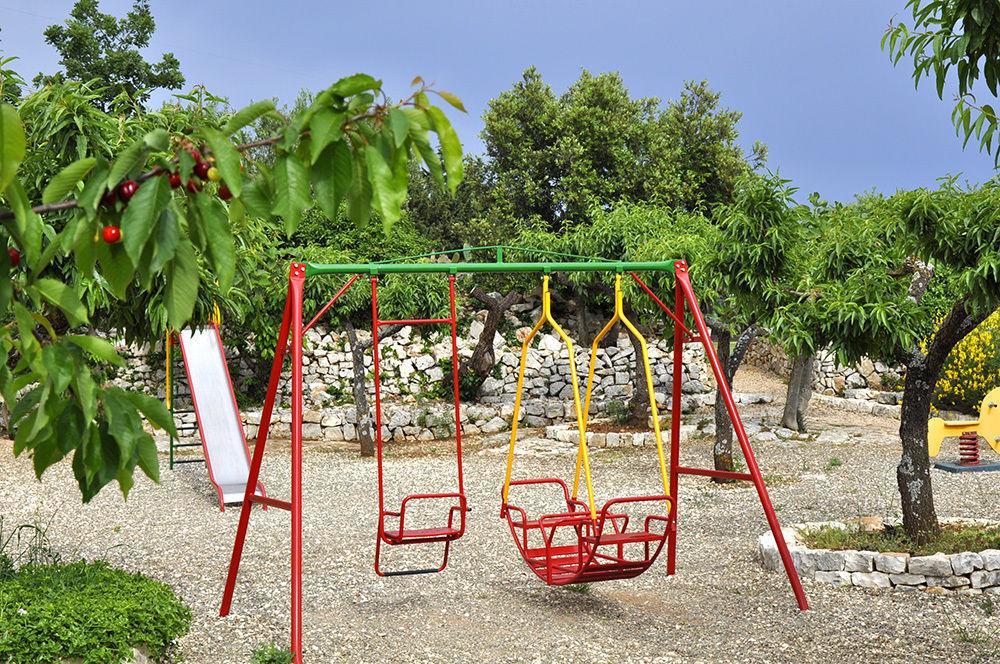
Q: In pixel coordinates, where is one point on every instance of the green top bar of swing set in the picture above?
(313, 269)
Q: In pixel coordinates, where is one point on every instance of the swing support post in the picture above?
(290, 337)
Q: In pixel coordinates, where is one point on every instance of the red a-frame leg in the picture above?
(684, 299)
(291, 323)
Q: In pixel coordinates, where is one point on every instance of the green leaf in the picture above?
(354, 84)
(247, 115)
(93, 189)
(227, 159)
(141, 215)
(158, 139)
(182, 285)
(148, 460)
(451, 99)
(153, 410)
(359, 206)
(257, 197)
(400, 126)
(219, 237)
(291, 191)
(102, 349)
(331, 178)
(27, 230)
(387, 197)
(324, 128)
(64, 297)
(451, 148)
(165, 240)
(12, 144)
(66, 180)
(116, 267)
(132, 158)
(123, 423)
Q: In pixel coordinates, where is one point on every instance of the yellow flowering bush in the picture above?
(972, 369)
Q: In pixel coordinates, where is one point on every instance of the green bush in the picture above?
(271, 654)
(86, 610)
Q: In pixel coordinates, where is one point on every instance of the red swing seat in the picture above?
(403, 535)
(597, 549)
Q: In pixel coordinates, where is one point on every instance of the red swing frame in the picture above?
(290, 335)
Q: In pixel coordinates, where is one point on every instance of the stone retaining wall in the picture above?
(968, 572)
(867, 380)
(413, 367)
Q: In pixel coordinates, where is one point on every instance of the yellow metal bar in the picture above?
(590, 384)
(619, 315)
(649, 389)
(167, 391)
(546, 317)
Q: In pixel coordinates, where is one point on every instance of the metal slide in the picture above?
(219, 425)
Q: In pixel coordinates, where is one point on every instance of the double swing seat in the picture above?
(583, 544)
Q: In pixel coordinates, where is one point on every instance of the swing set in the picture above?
(578, 544)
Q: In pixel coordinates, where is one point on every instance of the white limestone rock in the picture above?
(966, 562)
(937, 565)
(871, 580)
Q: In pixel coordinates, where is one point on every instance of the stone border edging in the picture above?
(968, 572)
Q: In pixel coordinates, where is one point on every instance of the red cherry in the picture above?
(111, 234)
(127, 189)
(175, 180)
(108, 200)
(201, 169)
(196, 155)
(15, 256)
(193, 186)
(224, 193)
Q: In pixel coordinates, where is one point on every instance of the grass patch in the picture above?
(952, 538)
(86, 610)
(834, 462)
(579, 588)
(271, 654)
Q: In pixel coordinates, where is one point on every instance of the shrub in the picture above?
(86, 610)
(271, 654)
(972, 369)
(952, 538)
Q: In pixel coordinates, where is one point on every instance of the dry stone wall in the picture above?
(413, 367)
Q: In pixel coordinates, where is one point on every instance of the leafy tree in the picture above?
(159, 218)
(959, 37)
(561, 158)
(11, 82)
(99, 46)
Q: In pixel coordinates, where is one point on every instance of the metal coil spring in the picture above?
(968, 449)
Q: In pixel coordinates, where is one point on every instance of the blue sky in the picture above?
(808, 76)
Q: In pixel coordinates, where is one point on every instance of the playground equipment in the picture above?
(219, 425)
(597, 547)
(968, 431)
(590, 561)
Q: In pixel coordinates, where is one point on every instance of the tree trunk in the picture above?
(730, 360)
(799, 392)
(722, 453)
(913, 475)
(366, 437)
(638, 405)
(475, 370)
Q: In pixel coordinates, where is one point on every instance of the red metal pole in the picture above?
(675, 418)
(297, 282)
(258, 456)
(333, 300)
(454, 381)
(684, 284)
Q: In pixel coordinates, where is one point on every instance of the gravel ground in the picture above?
(721, 606)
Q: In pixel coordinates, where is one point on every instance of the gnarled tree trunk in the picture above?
(475, 370)
(366, 437)
(913, 474)
(799, 392)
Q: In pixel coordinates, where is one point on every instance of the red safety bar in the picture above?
(392, 528)
(598, 549)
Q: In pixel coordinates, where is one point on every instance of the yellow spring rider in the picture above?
(968, 431)
(582, 544)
